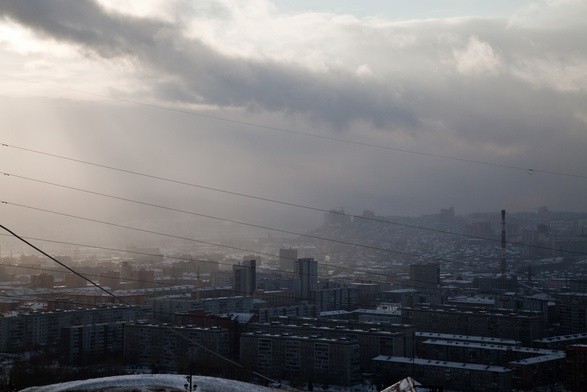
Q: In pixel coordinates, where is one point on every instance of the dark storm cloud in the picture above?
(194, 72)
(510, 91)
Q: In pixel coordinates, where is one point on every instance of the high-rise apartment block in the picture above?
(307, 271)
(175, 348)
(244, 277)
(306, 358)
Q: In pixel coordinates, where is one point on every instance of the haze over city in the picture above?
(502, 84)
(321, 157)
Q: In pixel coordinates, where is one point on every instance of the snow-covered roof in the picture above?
(539, 359)
(437, 363)
(497, 347)
(468, 338)
(333, 313)
(562, 338)
(406, 385)
(147, 382)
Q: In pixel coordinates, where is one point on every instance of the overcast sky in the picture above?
(501, 82)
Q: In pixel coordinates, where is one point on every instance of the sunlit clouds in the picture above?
(78, 78)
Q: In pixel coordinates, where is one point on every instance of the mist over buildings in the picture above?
(506, 90)
(295, 193)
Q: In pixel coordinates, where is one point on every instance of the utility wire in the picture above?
(170, 180)
(82, 245)
(193, 239)
(121, 293)
(173, 257)
(206, 215)
(313, 236)
(415, 255)
(170, 329)
(305, 134)
(268, 270)
(31, 296)
(62, 264)
(201, 241)
(340, 267)
(164, 284)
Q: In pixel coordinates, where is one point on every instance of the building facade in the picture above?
(165, 348)
(42, 330)
(525, 326)
(447, 375)
(244, 277)
(307, 271)
(308, 359)
(82, 344)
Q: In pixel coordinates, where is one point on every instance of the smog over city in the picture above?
(263, 171)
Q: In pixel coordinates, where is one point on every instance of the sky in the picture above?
(400, 107)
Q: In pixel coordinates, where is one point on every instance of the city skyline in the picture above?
(476, 107)
(302, 195)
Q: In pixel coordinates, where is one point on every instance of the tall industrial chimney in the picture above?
(502, 266)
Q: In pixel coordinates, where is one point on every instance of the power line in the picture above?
(29, 267)
(62, 264)
(193, 239)
(170, 329)
(305, 134)
(340, 267)
(266, 200)
(206, 215)
(146, 175)
(28, 297)
(164, 284)
(268, 270)
(384, 221)
(176, 314)
(182, 258)
(264, 295)
(120, 250)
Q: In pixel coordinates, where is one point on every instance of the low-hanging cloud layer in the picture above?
(506, 90)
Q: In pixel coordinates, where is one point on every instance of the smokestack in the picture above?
(502, 266)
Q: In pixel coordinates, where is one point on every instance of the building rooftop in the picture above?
(539, 359)
(472, 300)
(334, 313)
(287, 335)
(401, 291)
(387, 312)
(487, 346)
(469, 338)
(562, 338)
(339, 328)
(436, 363)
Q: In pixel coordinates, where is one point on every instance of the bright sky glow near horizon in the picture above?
(502, 82)
(401, 10)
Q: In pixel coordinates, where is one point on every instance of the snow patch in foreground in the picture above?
(148, 382)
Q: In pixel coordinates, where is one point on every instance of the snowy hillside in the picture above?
(150, 383)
